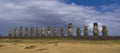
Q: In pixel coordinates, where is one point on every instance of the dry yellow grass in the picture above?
(59, 48)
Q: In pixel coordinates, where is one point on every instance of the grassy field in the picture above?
(55, 45)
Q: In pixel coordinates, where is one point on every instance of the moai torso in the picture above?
(104, 31)
(78, 32)
(21, 32)
(43, 32)
(95, 29)
(15, 32)
(85, 30)
(49, 32)
(26, 32)
(32, 32)
(10, 33)
(37, 32)
(62, 32)
(70, 29)
(55, 32)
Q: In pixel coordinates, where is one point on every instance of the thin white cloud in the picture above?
(54, 11)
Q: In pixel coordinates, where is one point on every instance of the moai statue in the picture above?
(21, 32)
(104, 31)
(95, 29)
(55, 32)
(86, 31)
(26, 32)
(62, 32)
(78, 32)
(32, 32)
(43, 33)
(15, 32)
(70, 29)
(37, 32)
(49, 32)
(10, 33)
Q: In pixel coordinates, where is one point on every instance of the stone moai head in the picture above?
(95, 29)
(55, 32)
(104, 27)
(49, 32)
(70, 29)
(32, 32)
(62, 32)
(21, 31)
(26, 31)
(43, 33)
(10, 33)
(37, 32)
(15, 32)
(95, 24)
(78, 32)
(104, 31)
(85, 30)
(69, 25)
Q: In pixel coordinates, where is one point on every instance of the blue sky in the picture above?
(95, 3)
(43, 13)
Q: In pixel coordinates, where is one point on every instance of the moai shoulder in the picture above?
(86, 31)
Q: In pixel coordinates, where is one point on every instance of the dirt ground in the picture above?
(60, 47)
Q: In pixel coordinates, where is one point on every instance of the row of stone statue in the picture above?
(42, 32)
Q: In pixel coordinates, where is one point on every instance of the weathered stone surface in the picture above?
(10, 33)
(86, 31)
(70, 29)
(55, 32)
(95, 29)
(104, 31)
(37, 32)
(15, 32)
(78, 32)
(21, 32)
(49, 32)
(43, 33)
(26, 32)
(32, 32)
(62, 32)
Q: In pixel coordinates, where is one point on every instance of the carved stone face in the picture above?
(85, 27)
(95, 27)
(32, 28)
(70, 30)
(104, 27)
(15, 30)
(20, 28)
(43, 29)
(62, 30)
